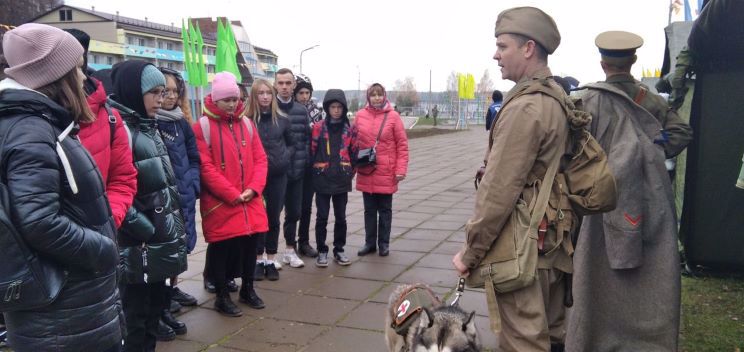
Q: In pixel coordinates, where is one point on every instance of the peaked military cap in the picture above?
(618, 47)
(530, 22)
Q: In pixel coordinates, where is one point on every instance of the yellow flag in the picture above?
(471, 87)
(461, 86)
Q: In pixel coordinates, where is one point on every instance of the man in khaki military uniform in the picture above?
(530, 133)
(618, 56)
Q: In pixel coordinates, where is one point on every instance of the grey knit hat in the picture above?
(151, 78)
(38, 54)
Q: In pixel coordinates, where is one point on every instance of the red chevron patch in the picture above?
(632, 221)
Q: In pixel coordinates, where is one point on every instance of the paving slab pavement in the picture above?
(342, 308)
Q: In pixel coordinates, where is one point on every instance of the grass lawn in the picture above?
(712, 314)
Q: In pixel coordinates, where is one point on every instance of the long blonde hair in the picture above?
(254, 110)
(68, 92)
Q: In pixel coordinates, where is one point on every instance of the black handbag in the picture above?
(368, 156)
(27, 281)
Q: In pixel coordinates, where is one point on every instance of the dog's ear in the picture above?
(469, 325)
(427, 320)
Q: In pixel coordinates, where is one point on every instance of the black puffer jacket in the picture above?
(155, 218)
(277, 142)
(297, 114)
(75, 230)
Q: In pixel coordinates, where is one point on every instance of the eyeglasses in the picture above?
(159, 92)
(169, 92)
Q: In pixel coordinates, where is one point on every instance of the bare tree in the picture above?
(485, 86)
(407, 96)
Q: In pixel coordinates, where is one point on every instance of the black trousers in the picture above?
(303, 233)
(274, 192)
(231, 256)
(377, 230)
(292, 209)
(143, 304)
(323, 204)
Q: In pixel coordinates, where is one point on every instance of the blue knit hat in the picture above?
(151, 78)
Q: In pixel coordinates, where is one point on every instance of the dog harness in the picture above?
(410, 305)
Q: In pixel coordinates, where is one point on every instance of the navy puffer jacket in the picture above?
(73, 229)
(181, 144)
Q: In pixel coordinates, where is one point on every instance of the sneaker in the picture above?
(277, 264)
(322, 260)
(260, 271)
(341, 258)
(272, 274)
(183, 298)
(291, 258)
(307, 250)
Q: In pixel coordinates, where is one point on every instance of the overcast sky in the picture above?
(387, 40)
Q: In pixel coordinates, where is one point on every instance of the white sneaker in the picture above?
(291, 258)
(277, 264)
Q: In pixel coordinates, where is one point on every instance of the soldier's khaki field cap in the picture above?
(618, 47)
(530, 22)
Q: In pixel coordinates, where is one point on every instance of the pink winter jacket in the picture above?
(392, 149)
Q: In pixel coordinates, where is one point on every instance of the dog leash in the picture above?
(460, 290)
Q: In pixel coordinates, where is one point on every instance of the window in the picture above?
(130, 40)
(109, 60)
(65, 15)
(160, 44)
(171, 66)
(169, 46)
(96, 59)
(141, 42)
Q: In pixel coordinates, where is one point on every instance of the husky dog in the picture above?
(438, 328)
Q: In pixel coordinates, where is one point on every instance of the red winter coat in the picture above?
(221, 220)
(392, 149)
(119, 177)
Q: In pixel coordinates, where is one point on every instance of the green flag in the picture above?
(220, 55)
(200, 65)
(187, 61)
(196, 55)
(231, 61)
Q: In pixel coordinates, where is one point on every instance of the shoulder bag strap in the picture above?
(544, 195)
(379, 133)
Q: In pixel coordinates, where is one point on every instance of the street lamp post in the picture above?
(303, 51)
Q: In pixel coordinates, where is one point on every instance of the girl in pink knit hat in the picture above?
(233, 177)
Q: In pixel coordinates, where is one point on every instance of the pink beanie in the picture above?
(39, 54)
(224, 86)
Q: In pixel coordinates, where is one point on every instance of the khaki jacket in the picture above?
(530, 132)
(678, 131)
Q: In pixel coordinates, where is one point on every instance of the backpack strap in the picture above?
(248, 127)
(112, 121)
(204, 123)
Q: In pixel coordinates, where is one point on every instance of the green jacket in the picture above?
(152, 236)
